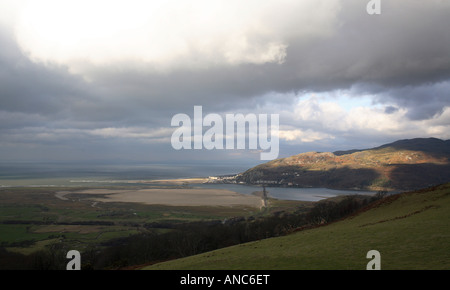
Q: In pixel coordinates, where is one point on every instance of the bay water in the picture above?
(137, 174)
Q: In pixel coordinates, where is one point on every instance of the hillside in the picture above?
(402, 165)
(410, 230)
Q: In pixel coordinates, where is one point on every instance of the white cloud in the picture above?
(300, 136)
(318, 118)
(44, 135)
(169, 34)
(133, 133)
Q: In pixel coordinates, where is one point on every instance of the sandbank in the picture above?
(176, 197)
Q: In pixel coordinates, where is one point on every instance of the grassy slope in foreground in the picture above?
(410, 230)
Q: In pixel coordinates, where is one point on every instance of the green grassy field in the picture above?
(410, 230)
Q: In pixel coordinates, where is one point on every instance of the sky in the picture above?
(101, 80)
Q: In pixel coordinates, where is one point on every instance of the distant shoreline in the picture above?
(178, 181)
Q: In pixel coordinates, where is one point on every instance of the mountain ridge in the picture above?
(406, 164)
(417, 144)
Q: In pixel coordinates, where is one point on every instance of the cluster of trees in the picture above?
(327, 211)
(186, 239)
(51, 258)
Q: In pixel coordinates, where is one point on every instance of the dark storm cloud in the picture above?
(422, 101)
(390, 109)
(401, 58)
(406, 46)
(32, 88)
(394, 55)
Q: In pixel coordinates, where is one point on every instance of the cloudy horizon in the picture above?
(101, 80)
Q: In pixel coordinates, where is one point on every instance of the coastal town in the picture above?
(239, 179)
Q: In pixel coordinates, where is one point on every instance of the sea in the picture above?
(138, 174)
